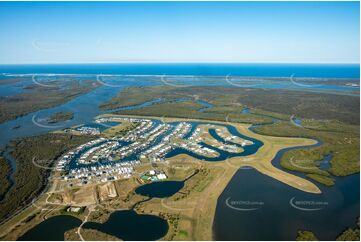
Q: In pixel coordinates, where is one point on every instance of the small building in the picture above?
(73, 209)
(161, 176)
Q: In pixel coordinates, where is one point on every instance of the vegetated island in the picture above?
(33, 99)
(350, 234)
(60, 116)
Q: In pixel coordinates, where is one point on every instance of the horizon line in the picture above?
(171, 62)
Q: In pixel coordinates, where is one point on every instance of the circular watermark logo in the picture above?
(244, 205)
(40, 123)
(120, 83)
(302, 164)
(227, 119)
(44, 164)
(103, 120)
(308, 205)
(294, 121)
(45, 206)
(241, 167)
(163, 119)
(49, 123)
(44, 81)
(179, 205)
(164, 79)
(303, 123)
(294, 82)
(237, 84)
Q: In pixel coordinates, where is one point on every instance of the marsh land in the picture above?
(33, 98)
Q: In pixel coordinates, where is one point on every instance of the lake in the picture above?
(257, 207)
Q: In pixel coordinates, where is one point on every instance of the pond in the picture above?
(125, 225)
(160, 189)
(128, 225)
(52, 229)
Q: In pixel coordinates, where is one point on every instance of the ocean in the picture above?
(195, 69)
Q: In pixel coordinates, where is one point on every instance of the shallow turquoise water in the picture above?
(197, 69)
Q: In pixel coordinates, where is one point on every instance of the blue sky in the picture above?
(104, 32)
